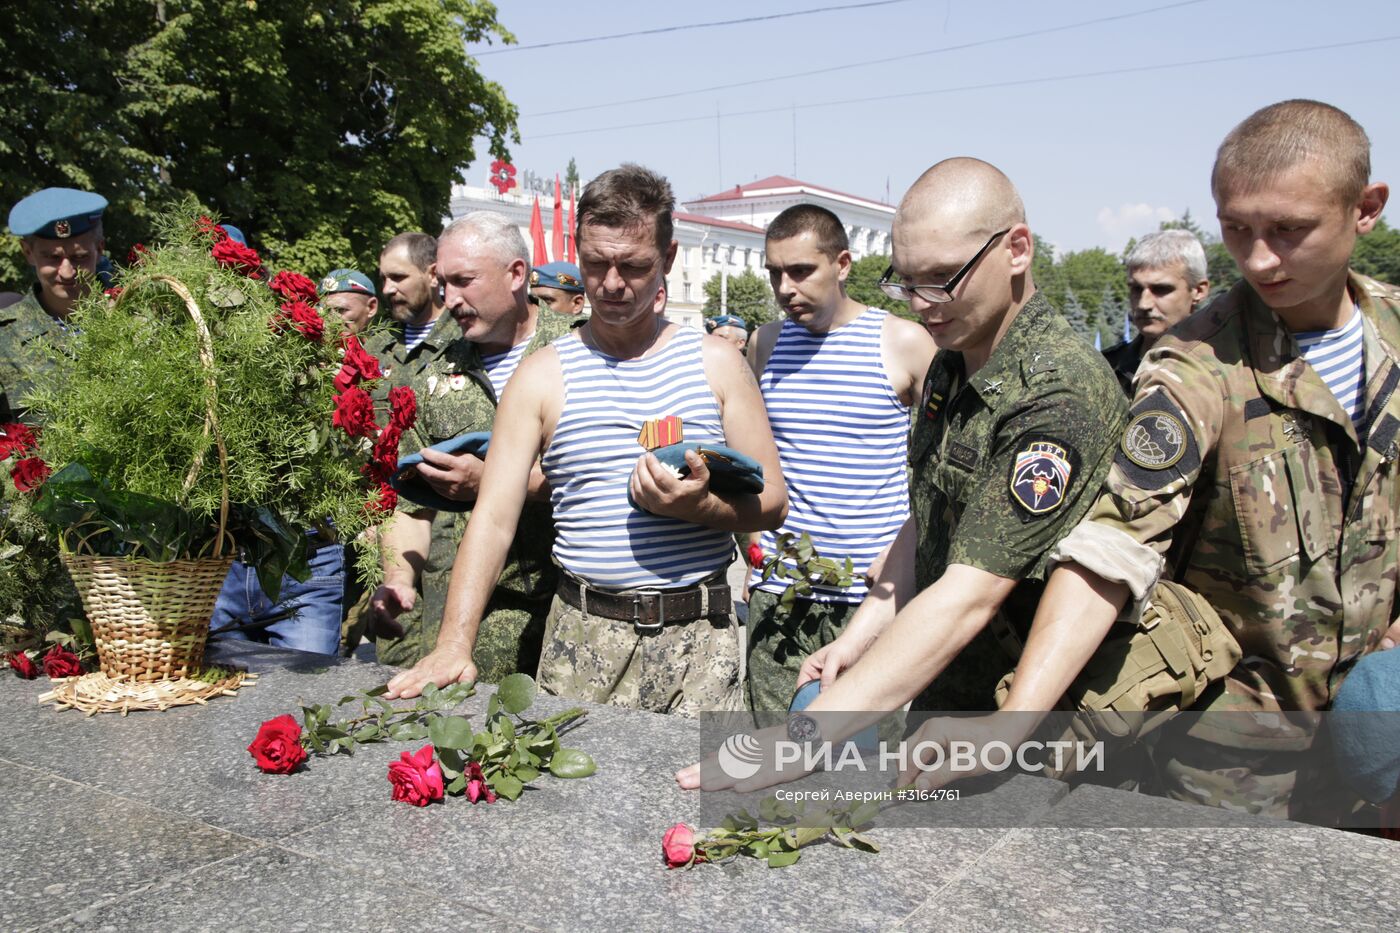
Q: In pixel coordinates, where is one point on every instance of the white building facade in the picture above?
(719, 234)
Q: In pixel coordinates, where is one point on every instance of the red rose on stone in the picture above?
(403, 406)
(293, 285)
(354, 413)
(29, 474)
(277, 748)
(60, 662)
(232, 254)
(359, 365)
(678, 847)
(16, 438)
(301, 316)
(477, 788)
(23, 665)
(416, 777)
(755, 554)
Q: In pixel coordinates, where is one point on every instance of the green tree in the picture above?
(1377, 254)
(862, 284)
(319, 130)
(1090, 274)
(1113, 312)
(749, 297)
(1220, 266)
(1077, 317)
(570, 176)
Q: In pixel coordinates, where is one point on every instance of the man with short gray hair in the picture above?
(1167, 281)
(483, 266)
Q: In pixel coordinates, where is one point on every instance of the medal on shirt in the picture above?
(661, 432)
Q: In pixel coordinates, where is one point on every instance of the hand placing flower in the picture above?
(277, 748)
(416, 777)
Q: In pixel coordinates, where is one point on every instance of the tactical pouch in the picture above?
(1138, 678)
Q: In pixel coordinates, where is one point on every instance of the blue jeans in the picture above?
(307, 618)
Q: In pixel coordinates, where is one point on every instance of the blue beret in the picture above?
(347, 280)
(411, 486)
(1365, 726)
(564, 275)
(57, 213)
(725, 320)
(730, 471)
(235, 234)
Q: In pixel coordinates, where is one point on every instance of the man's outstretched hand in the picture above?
(447, 664)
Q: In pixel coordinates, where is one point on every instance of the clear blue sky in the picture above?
(1097, 159)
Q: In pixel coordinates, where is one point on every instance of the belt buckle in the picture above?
(641, 595)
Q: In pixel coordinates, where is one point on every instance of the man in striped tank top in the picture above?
(838, 380)
(643, 617)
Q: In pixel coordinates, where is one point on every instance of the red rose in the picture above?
(403, 408)
(208, 226)
(277, 749)
(354, 413)
(29, 474)
(386, 500)
(417, 778)
(136, 254)
(293, 285)
(359, 365)
(23, 665)
(232, 254)
(386, 450)
(303, 317)
(678, 847)
(114, 292)
(755, 553)
(477, 788)
(16, 438)
(60, 662)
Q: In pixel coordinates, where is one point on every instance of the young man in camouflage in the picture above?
(1262, 481)
(484, 265)
(588, 403)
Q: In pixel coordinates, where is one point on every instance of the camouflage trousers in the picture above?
(507, 642)
(779, 640)
(685, 668)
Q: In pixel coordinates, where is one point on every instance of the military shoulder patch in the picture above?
(1157, 444)
(1041, 472)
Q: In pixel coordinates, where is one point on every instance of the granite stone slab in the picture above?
(1247, 873)
(67, 846)
(272, 889)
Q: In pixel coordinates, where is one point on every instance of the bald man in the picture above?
(1014, 435)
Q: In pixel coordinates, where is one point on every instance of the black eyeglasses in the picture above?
(938, 294)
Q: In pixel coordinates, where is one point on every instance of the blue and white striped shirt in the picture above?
(501, 366)
(842, 435)
(1339, 357)
(598, 535)
(413, 335)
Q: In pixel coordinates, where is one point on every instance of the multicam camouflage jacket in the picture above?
(1002, 466)
(24, 329)
(1241, 468)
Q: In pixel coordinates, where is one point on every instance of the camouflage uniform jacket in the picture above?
(24, 328)
(1124, 358)
(1240, 467)
(455, 397)
(1004, 464)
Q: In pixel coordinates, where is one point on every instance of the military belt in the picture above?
(648, 609)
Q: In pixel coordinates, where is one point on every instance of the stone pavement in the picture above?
(160, 821)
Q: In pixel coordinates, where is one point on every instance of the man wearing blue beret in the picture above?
(350, 293)
(60, 231)
(731, 328)
(558, 286)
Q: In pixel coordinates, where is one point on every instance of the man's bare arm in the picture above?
(907, 350)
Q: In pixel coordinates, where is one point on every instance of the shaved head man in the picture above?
(1014, 431)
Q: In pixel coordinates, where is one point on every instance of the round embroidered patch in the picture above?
(1155, 440)
(1040, 476)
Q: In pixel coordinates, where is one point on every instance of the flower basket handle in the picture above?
(211, 413)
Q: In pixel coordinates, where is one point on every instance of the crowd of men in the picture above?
(1008, 498)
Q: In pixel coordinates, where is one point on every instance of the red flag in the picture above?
(572, 192)
(558, 220)
(537, 235)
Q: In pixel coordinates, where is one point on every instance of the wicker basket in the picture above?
(150, 620)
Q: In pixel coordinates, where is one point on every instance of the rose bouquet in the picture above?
(199, 407)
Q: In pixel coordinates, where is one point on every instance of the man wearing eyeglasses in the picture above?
(1016, 430)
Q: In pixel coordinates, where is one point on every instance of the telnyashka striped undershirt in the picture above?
(501, 366)
(1339, 357)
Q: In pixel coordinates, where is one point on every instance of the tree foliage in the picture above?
(1377, 254)
(748, 296)
(862, 284)
(320, 131)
